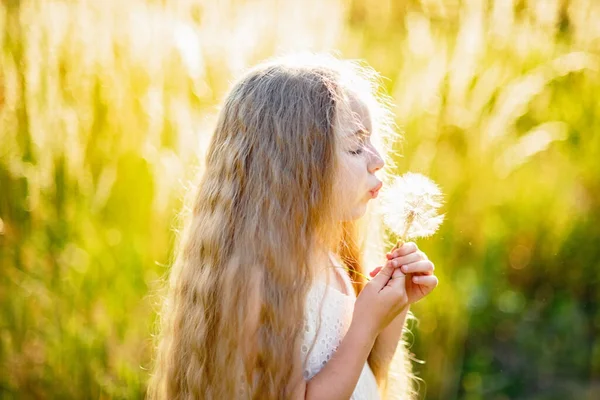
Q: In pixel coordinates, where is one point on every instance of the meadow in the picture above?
(106, 109)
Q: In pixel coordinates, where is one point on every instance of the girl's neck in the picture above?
(320, 260)
(320, 257)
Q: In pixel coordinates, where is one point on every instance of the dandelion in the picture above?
(410, 207)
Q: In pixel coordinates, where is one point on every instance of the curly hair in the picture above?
(233, 315)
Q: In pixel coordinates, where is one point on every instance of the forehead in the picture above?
(354, 116)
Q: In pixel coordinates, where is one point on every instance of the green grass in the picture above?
(106, 109)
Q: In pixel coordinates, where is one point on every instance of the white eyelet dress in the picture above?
(336, 315)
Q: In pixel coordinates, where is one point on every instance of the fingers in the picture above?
(410, 266)
(410, 258)
(430, 281)
(398, 280)
(424, 266)
(405, 249)
(383, 276)
(397, 273)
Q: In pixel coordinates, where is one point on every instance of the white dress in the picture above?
(336, 315)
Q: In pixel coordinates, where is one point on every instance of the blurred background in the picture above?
(107, 106)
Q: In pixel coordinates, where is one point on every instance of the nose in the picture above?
(375, 161)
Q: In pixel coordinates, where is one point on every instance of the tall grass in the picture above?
(106, 109)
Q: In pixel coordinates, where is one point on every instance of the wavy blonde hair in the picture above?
(234, 312)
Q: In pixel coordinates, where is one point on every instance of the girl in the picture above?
(267, 298)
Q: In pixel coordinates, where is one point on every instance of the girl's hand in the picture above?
(380, 301)
(410, 261)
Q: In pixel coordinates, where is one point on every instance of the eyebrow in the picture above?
(361, 133)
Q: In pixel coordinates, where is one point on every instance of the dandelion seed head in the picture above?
(410, 206)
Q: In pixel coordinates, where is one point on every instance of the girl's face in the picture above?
(356, 183)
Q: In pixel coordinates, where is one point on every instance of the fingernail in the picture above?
(404, 268)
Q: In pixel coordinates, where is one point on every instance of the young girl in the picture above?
(267, 298)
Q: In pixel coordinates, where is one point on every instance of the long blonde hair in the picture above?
(234, 311)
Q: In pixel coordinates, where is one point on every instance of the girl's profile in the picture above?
(268, 296)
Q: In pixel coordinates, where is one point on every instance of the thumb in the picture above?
(398, 280)
(383, 276)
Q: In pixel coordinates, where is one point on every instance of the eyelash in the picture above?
(360, 150)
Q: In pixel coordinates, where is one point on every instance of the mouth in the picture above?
(375, 191)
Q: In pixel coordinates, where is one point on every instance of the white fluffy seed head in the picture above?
(410, 206)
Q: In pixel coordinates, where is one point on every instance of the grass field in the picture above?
(106, 108)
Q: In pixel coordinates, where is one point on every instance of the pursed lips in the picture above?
(375, 191)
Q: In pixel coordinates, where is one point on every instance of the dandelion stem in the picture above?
(399, 244)
(409, 220)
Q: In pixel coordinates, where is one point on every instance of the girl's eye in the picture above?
(356, 152)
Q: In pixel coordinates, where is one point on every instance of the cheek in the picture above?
(351, 175)
(351, 186)
(357, 173)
